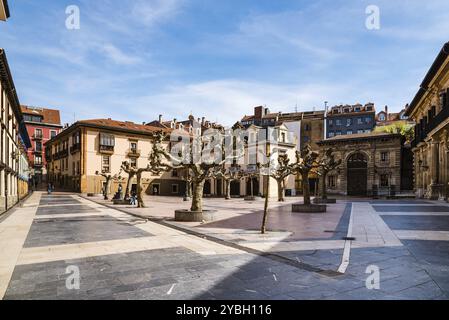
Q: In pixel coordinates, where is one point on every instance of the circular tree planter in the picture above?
(194, 216)
(312, 208)
(324, 201)
(120, 201)
(250, 198)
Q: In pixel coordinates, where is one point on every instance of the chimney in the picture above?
(258, 112)
(202, 120)
(160, 118)
(386, 110)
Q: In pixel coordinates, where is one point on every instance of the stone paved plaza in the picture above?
(148, 256)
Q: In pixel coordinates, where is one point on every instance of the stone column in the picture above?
(435, 187)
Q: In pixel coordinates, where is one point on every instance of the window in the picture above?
(384, 180)
(76, 138)
(133, 146)
(338, 122)
(38, 133)
(52, 134)
(133, 162)
(174, 188)
(331, 181)
(39, 146)
(174, 173)
(38, 160)
(107, 140)
(360, 131)
(368, 120)
(331, 134)
(384, 156)
(331, 122)
(359, 120)
(349, 132)
(338, 133)
(106, 164)
(283, 137)
(306, 139)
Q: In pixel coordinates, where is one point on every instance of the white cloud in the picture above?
(150, 12)
(117, 55)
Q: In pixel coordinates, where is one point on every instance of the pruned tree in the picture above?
(109, 178)
(305, 162)
(280, 173)
(137, 172)
(230, 174)
(326, 164)
(162, 160)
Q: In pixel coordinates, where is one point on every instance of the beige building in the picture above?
(4, 10)
(430, 111)
(371, 164)
(13, 141)
(77, 153)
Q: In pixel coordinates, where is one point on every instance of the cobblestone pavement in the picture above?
(123, 257)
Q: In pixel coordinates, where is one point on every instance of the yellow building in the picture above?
(101, 145)
(430, 111)
(13, 139)
(4, 10)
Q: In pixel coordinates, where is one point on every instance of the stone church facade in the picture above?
(371, 164)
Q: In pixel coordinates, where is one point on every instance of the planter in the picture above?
(91, 195)
(120, 201)
(194, 216)
(324, 201)
(250, 198)
(312, 208)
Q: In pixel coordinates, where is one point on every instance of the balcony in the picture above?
(133, 153)
(106, 149)
(35, 151)
(38, 164)
(75, 148)
(38, 136)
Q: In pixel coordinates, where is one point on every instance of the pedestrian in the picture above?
(49, 188)
(133, 199)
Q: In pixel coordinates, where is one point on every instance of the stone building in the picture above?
(430, 111)
(14, 140)
(371, 164)
(347, 120)
(77, 153)
(42, 124)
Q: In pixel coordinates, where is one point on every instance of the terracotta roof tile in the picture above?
(50, 116)
(124, 125)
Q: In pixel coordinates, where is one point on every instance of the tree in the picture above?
(280, 173)
(233, 173)
(137, 172)
(200, 169)
(326, 164)
(305, 162)
(109, 178)
(403, 128)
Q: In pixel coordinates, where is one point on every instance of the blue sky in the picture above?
(133, 60)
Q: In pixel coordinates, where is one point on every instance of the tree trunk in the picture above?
(140, 203)
(128, 186)
(265, 209)
(197, 199)
(323, 191)
(280, 190)
(228, 189)
(306, 187)
(107, 188)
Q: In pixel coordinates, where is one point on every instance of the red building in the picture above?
(42, 124)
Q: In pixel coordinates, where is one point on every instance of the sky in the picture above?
(133, 60)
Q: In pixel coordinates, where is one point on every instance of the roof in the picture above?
(8, 85)
(440, 59)
(113, 125)
(360, 136)
(50, 116)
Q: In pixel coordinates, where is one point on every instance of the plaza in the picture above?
(146, 255)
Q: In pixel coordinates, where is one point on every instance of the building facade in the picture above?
(42, 124)
(4, 10)
(430, 111)
(13, 141)
(347, 120)
(101, 145)
(371, 164)
(385, 118)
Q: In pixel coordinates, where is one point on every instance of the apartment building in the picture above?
(14, 140)
(350, 119)
(430, 111)
(42, 124)
(101, 145)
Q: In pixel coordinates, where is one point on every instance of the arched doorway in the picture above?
(357, 175)
(235, 188)
(207, 188)
(255, 186)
